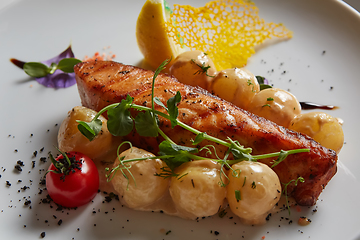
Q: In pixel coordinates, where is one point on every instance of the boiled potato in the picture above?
(236, 85)
(277, 105)
(147, 188)
(193, 68)
(198, 192)
(322, 127)
(70, 138)
(253, 192)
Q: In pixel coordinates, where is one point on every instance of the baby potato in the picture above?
(236, 85)
(70, 138)
(322, 127)
(193, 68)
(147, 188)
(254, 192)
(198, 192)
(277, 105)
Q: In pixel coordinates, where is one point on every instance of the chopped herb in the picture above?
(203, 68)
(244, 181)
(253, 185)
(237, 195)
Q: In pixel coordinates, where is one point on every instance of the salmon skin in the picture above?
(101, 83)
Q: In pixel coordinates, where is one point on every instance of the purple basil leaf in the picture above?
(58, 79)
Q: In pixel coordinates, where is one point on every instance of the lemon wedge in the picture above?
(151, 33)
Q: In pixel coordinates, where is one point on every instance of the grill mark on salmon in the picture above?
(101, 83)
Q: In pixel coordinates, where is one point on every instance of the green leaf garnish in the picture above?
(158, 102)
(45, 72)
(145, 124)
(262, 83)
(173, 109)
(199, 138)
(36, 69)
(180, 154)
(67, 64)
(120, 122)
(90, 129)
(283, 154)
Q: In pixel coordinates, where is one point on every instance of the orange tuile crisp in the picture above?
(227, 30)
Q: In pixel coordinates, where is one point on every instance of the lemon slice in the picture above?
(151, 34)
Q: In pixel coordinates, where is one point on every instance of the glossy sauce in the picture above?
(17, 63)
(311, 105)
(193, 68)
(165, 203)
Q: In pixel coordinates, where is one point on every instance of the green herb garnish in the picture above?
(262, 82)
(237, 195)
(203, 68)
(301, 179)
(38, 69)
(121, 123)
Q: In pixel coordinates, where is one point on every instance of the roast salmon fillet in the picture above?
(101, 83)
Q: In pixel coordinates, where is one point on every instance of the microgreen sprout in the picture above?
(57, 72)
(121, 123)
(65, 165)
(285, 192)
(38, 69)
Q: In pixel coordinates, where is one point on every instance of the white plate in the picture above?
(38, 30)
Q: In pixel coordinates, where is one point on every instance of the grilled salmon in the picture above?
(101, 83)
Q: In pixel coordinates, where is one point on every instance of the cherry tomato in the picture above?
(78, 185)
